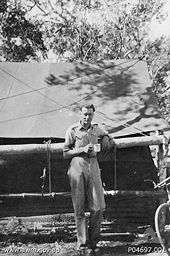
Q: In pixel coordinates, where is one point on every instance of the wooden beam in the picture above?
(57, 147)
(109, 193)
(30, 149)
(139, 141)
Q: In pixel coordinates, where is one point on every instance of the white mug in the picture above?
(97, 148)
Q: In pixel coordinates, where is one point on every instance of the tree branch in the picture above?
(52, 7)
(39, 7)
(127, 53)
(31, 7)
(167, 89)
(88, 51)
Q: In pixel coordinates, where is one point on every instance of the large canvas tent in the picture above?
(38, 101)
(42, 100)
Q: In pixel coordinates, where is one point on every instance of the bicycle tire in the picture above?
(160, 224)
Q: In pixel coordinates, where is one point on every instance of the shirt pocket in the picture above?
(81, 139)
(93, 138)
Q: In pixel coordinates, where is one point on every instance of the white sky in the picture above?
(157, 29)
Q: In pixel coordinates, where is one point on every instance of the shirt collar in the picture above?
(81, 127)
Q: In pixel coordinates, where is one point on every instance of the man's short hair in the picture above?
(88, 106)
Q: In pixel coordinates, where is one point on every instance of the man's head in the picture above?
(87, 113)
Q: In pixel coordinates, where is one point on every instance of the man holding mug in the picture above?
(81, 145)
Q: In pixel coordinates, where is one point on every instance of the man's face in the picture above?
(86, 115)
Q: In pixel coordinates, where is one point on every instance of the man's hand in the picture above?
(88, 148)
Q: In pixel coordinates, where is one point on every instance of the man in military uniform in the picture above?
(84, 175)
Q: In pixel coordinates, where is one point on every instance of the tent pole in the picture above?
(49, 164)
(162, 158)
(162, 168)
(115, 169)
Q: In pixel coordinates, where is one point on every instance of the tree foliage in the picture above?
(160, 90)
(88, 30)
(76, 30)
(21, 40)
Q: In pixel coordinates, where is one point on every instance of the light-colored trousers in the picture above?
(86, 189)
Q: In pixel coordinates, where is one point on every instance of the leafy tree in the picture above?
(21, 40)
(160, 90)
(86, 30)
(95, 30)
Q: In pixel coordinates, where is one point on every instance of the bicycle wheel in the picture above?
(162, 227)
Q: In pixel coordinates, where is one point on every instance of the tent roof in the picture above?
(42, 99)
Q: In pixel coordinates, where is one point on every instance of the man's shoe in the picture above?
(82, 249)
(95, 250)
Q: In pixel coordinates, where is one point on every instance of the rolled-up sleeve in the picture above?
(101, 132)
(106, 141)
(69, 140)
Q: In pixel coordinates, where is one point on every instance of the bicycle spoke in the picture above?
(161, 227)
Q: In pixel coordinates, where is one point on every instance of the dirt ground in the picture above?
(64, 249)
(31, 237)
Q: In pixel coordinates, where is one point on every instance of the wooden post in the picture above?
(49, 164)
(43, 177)
(162, 155)
(115, 169)
(162, 158)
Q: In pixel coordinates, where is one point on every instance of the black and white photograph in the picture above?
(85, 127)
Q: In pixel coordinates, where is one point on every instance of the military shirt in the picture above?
(77, 136)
